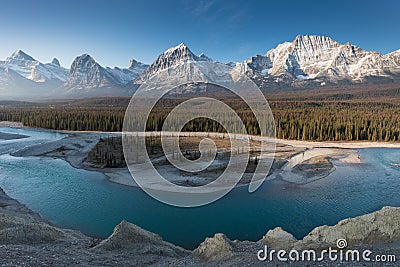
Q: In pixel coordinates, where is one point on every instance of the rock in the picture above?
(127, 236)
(6, 220)
(30, 233)
(278, 238)
(215, 248)
(382, 226)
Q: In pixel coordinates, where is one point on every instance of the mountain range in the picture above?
(308, 60)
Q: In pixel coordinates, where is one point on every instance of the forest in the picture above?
(336, 114)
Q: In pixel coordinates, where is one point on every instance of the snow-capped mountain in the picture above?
(171, 57)
(178, 65)
(86, 73)
(395, 57)
(125, 76)
(13, 85)
(87, 77)
(34, 70)
(320, 59)
(308, 60)
(137, 68)
(21, 76)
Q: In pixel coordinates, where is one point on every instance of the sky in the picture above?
(115, 31)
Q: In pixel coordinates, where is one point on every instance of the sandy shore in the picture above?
(312, 164)
(340, 144)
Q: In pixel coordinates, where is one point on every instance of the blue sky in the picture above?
(115, 31)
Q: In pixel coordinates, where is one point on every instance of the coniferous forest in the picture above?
(335, 114)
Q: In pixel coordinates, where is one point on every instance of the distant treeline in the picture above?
(66, 118)
(301, 120)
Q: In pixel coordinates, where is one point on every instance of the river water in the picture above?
(86, 201)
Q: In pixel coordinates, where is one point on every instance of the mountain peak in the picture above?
(134, 64)
(204, 57)
(173, 57)
(301, 40)
(83, 63)
(318, 59)
(181, 46)
(181, 51)
(84, 60)
(85, 57)
(170, 57)
(19, 54)
(56, 62)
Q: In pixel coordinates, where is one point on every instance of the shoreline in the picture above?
(75, 147)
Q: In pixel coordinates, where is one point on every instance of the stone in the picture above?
(215, 248)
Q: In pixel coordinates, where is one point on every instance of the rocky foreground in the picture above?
(26, 239)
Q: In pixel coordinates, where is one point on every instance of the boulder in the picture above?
(128, 236)
(30, 233)
(215, 248)
(278, 239)
(382, 226)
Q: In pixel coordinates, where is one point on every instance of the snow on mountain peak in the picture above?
(170, 57)
(56, 62)
(312, 57)
(84, 58)
(303, 61)
(179, 52)
(31, 69)
(315, 40)
(134, 64)
(20, 55)
(86, 75)
(181, 46)
(203, 57)
(85, 71)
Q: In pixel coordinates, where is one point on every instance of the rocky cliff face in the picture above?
(172, 57)
(86, 73)
(89, 78)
